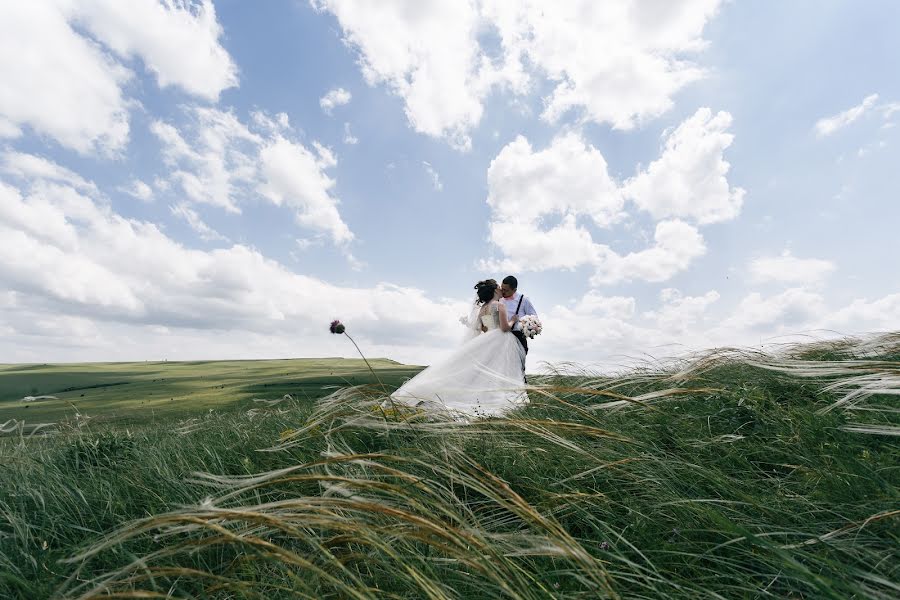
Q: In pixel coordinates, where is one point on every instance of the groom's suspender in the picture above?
(522, 297)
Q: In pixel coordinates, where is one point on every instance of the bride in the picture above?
(484, 376)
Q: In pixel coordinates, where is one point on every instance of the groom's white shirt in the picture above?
(512, 302)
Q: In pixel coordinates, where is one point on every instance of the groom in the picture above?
(518, 305)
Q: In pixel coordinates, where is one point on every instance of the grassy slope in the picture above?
(732, 482)
(144, 391)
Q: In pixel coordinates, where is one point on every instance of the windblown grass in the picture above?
(729, 474)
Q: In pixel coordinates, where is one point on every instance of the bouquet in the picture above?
(531, 326)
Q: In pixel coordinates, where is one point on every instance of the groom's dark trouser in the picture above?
(524, 341)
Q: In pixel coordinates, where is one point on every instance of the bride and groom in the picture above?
(486, 374)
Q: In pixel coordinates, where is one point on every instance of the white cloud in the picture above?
(619, 65)
(196, 223)
(59, 83)
(596, 304)
(39, 250)
(293, 175)
(427, 53)
(528, 248)
(541, 202)
(28, 166)
(790, 269)
(349, 138)
(70, 87)
(177, 41)
(610, 332)
(790, 311)
(161, 184)
(890, 108)
(676, 245)
(570, 177)
(828, 125)
(335, 97)
(219, 160)
(433, 174)
(689, 179)
(280, 123)
(63, 252)
(863, 315)
(139, 190)
(679, 313)
(8, 129)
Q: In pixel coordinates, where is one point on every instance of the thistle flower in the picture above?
(337, 327)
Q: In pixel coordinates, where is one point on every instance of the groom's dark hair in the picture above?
(511, 282)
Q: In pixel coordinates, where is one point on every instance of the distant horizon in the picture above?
(790, 342)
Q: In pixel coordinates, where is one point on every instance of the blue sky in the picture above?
(191, 180)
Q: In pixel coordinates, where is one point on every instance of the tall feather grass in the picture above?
(730, 473)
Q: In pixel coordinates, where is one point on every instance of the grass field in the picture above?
(731, 475)
(136, 392)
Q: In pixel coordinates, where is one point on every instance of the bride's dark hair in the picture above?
(486, 289)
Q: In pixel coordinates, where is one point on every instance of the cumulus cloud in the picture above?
(40, 249)
(57, 82)
(27, 166)
(620, 65)
(790, 269)
(864, 315)
(570, 177)
(335, 97)
(279, 123)
(63, 72)
(542, 202)
(678, 313)
(611, 331)
(595, 303)
(676, 245)
(177, 41)
(792, 310)
(294, 175)
(526, 247)
(829, 125)
(216, 159)
(689, 179)
(64, 252)
(427, 53)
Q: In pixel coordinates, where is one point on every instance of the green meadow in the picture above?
(135, 392)
(729, 474)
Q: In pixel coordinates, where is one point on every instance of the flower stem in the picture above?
(371, 370)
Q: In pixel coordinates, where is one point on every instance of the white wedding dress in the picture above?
(483, 377)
